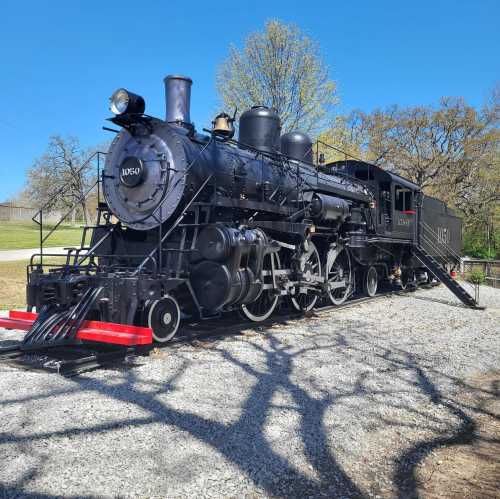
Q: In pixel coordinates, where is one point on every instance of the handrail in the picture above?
(173, 227)
(440, 251)
(38, 217)
(436, 236)
(345, 153)
(434, 247)
(443, 244)
(81, 198)
(54, 195)
(33, 264)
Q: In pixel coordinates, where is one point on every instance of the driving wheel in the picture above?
(370, 281)
(338, 272)
(262, 308)
(310, 268)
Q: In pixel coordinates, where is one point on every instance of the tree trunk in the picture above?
(83, 204)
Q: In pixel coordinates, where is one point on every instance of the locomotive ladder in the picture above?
(158, 250)
(440, 273)
(442, 252)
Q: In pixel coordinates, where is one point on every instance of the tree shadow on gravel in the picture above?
(463, 432)
(243, 442)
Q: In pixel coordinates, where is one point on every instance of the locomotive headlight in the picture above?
(118, 102)
(124, 102)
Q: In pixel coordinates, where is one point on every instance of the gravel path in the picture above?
(344, 404)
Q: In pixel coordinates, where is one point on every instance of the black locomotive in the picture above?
(201, 224)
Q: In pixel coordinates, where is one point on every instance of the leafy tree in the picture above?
(452, 151)
(280, 68)
(347, 137)
(360, 135)
(476, 277)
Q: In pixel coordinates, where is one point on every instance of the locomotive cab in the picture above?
(395, 211)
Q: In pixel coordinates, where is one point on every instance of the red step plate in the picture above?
(102, 332)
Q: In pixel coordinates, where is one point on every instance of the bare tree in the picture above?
(281, 68)
(62, 165)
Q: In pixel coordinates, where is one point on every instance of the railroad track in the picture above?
(231, 326)
(73, 360)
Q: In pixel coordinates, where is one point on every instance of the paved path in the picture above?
(25, 254)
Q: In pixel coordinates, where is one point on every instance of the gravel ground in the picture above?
(343, 404)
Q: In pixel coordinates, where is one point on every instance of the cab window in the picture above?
(364, 173)
(402, 198)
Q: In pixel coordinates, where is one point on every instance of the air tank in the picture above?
(324, 207)
(297, 145)
(260, 128)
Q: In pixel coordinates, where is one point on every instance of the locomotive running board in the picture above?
(95, 331)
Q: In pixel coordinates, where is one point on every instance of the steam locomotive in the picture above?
(200, 224)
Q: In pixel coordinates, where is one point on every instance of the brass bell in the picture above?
(223, 125)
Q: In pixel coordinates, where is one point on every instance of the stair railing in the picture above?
(440, 252)
(158, 250)
(439, 243)
(431, 239)
(38, 218)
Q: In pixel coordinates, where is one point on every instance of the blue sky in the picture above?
(60, 60)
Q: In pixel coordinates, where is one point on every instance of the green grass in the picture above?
(13, 282)
(23, 235)
(13, 285)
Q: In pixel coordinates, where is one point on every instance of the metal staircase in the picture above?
(440, 273)
(442, 253)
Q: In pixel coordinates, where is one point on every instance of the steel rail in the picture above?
(95, 356)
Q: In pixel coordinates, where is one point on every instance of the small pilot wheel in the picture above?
(310, 268)
(370, 281)
(262, 308)
(163, 318)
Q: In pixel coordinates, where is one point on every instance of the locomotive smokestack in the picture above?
(178, 99)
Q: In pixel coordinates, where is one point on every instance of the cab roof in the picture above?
(352, 166)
